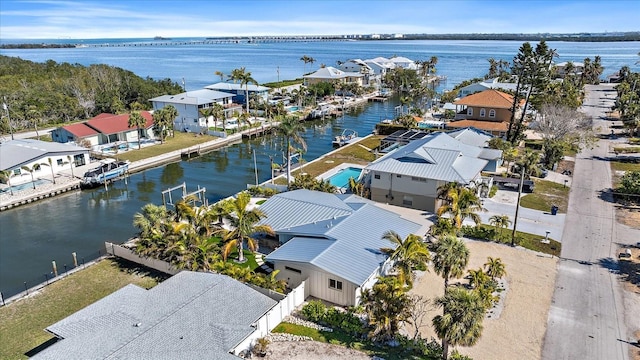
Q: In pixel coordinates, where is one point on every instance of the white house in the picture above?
(34, 154)
(190, 104)
(331, 241)
(404, 63)
(333, 75)
(578, 68)
(484, 85)
(192, 315)
(239, 91)
(410, 175)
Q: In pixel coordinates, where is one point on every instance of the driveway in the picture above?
(586, 319)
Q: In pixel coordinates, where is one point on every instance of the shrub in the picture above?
(261, 191)
(479, 232)
(345, 321)
(314, 310)
(630, 183)
(493, 191)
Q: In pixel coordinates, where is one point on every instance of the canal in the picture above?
(32, 236)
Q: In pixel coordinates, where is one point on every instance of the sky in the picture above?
(87, 19)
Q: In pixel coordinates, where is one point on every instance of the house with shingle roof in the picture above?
(191, 315)
(332, 241)
(411, 175)
(489, 110)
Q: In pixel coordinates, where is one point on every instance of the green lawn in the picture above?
(624, 166)
(180, 141)
(528, 241)
(249, 256)
(627, 149)
(22, 323)
(338, 337)
(546, 194)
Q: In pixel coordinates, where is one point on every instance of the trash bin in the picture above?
(554, 210)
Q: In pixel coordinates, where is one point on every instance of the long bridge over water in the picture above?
(212, 40)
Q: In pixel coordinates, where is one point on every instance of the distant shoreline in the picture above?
(582, 37)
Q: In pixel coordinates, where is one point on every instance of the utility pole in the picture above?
(6, 108)
(515, 220)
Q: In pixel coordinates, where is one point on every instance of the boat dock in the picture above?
(378, 98)
(258, 131)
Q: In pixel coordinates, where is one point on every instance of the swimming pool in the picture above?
(293, 108)
(341, 179)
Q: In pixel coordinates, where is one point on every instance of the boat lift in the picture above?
(194, 196)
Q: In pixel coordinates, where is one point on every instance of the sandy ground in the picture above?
(311, 350)
(521, 326)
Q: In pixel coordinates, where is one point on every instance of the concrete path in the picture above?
(587, 318)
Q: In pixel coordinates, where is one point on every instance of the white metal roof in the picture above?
(196, 97)
(229, 86)
(19, 152)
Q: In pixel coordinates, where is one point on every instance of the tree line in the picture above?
(43, 94)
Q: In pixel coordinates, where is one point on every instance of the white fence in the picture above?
(128, 254)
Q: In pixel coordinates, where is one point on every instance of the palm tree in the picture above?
(31, 169)
(495, 268)
(160, 122)
(406, 255)
(70, 162)
(221, 74)
(529, 159)
(450, 258)
(358, 188)
(463, 203)
(50, 165)
(306, 59)
(217, 111)
(6, 175)
(461, 321)
(33, 115)
(206, 113)
(243, 222)
(387, 305)
(500, 222)
(151, 217)
(245, 79)
(291, 129)
(171, 114)
(477, 278)
(137, 120)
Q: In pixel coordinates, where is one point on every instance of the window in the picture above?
(413, 178)
(376, 176)
(292, 269)
(398, 176)
(407, 200)
(335, 284)
(59, 162)
(469, 111)
(483, 112)
(492, 113)
(16, 171)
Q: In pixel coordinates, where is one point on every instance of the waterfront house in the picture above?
(403, 62)
(105, 129)
(239, 91)
(334, 76)
(485, 85)
(332, 241)
(14, 154)
(576, 68)
(410, 175)
(380, 66)
(488, 110)
(191, 315)
(190, 105)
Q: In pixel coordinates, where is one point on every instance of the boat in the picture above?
(108, 170)
(344, 138)
(161, 38)
(322, 110)
(80, 46)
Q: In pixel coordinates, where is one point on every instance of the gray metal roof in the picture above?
(471, 136)
(437, 156)
(15, 153)
(236, 86)
(330, 72)
(196, 97)
(189, 316)
(351, 245)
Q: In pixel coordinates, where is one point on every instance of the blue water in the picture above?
(31, 236)
(341, 179)
(27, 185)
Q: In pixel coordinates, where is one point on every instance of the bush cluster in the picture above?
(345, 321)
(262, 191)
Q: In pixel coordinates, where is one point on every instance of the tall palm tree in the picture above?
(406, 255)
(500, 222)
(160, 122)
(495, 268)
(6, 175)
(70, 162)
(206, 113)
(151, 217)
(358, 188)
(217, 111)
(461, 321)
(245, 79)
(387, 305)
(477, 278)
(171, 114)
(291, 129)
(50, 165)
(243, 222)
(529, 159)
(137, 120)
(450, 258)
(463, 203)
(31, 169)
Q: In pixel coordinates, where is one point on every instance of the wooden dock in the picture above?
(255, 132)
(190, 153)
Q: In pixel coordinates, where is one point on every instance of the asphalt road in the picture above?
(586, 319)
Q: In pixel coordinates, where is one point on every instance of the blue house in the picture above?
(238, 90)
